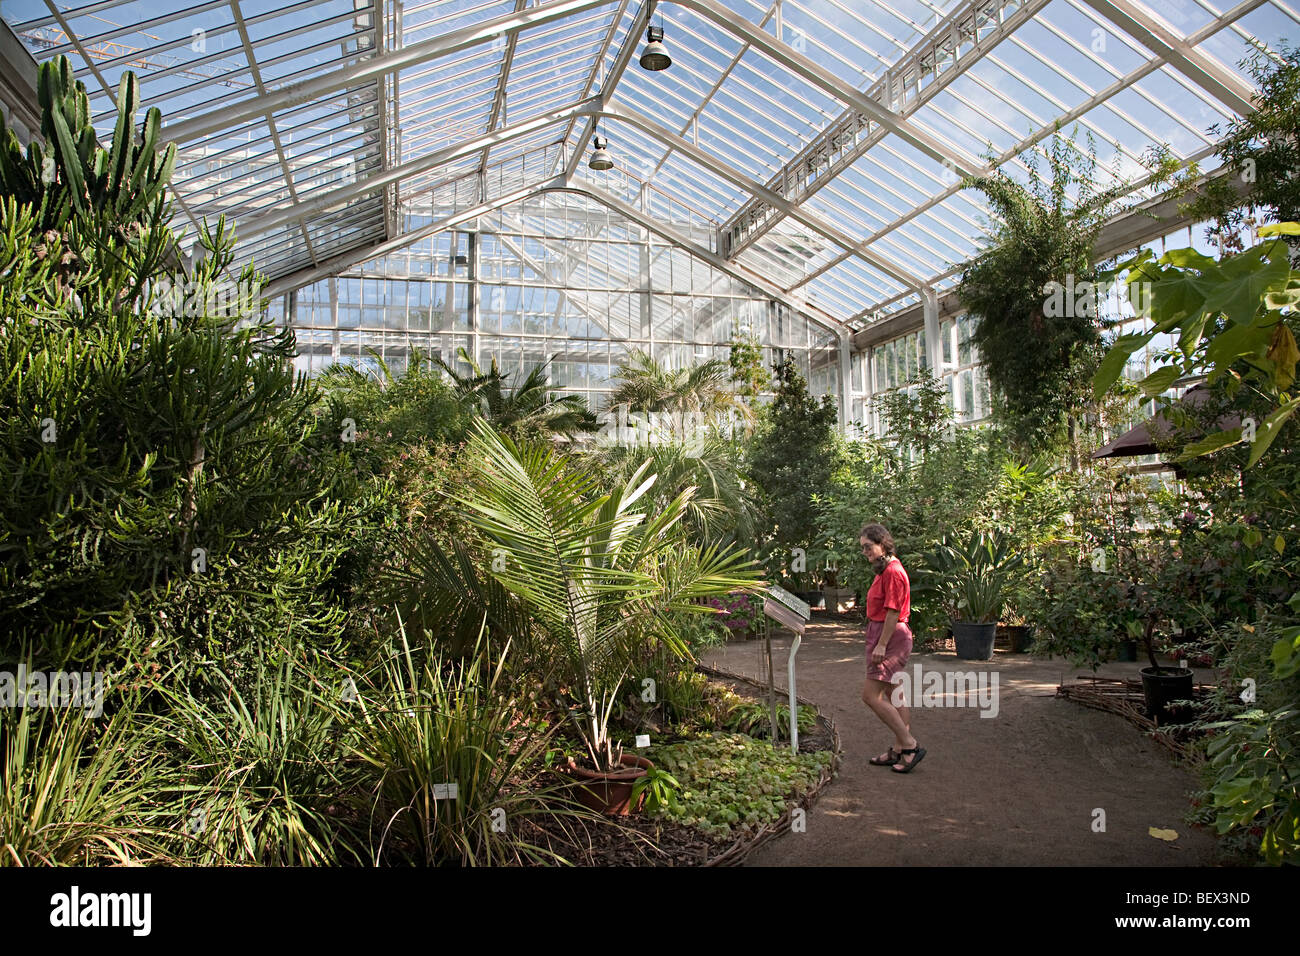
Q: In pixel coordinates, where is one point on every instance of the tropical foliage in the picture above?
(529, 411)
(1039, 364)
(599, 573)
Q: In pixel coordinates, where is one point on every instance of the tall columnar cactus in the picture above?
(70, 171)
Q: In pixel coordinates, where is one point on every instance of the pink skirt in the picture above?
(897, 651)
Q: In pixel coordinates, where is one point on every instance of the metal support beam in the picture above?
(1121, 84)
(1124, 233)
(1220, 82)
(331, 81)
(558, 184)
(816, 74)
(565, 295)
(499, 99)
(610, 82)
(342, 196)
(845, 350)
(968, 34)
(930, 322)
(723, 171)
(347, 260)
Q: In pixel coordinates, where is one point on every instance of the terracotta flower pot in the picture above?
(609, 792)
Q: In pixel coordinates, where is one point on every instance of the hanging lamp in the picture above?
(601, 159)
(655, 56)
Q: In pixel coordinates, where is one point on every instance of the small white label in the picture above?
(446, 791)
(643, 740)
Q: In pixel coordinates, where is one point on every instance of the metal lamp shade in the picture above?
(601, 159)
(655, 56)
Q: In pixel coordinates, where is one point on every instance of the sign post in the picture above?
(783, 607)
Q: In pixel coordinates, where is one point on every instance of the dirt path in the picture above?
(1018, 788)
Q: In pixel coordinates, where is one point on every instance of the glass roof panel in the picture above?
(741, 109)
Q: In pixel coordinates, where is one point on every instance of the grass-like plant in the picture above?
(972, 578)
(259, 772)
(430, 725)
(76, 790)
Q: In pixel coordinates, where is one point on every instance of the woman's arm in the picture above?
(886, 632)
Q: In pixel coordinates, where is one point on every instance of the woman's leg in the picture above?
(875, 694)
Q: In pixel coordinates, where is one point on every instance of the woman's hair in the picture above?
(880, 535)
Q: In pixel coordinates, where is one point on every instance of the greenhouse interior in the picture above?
(628, 433)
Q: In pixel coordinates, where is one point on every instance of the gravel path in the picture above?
(1017, 788)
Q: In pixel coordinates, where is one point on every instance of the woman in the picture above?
(889, 644)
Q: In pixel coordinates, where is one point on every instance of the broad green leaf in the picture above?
(1234, 342)
(1160, 380)
(1279, 544)
(1193, 329)
(1287, 298)
(1248, 277)
(1269, 428)
(1210, 443)
(1112, 366)
(1188, 259)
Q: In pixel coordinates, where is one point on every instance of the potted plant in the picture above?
(1148, 605)
(838, 599)
(600, 576)
(970, 581)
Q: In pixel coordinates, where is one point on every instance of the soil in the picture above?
(1018, 788)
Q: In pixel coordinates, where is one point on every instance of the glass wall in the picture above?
(559, 278)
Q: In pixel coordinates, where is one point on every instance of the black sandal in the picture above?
(908, 767)
(893, 757)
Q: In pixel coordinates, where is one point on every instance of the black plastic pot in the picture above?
(974, 641)
(1160, 685)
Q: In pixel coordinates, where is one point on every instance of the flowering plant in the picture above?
(738, 612)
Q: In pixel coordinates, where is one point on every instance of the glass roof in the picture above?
(811, 148)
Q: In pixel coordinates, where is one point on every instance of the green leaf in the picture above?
(1269, 429)
(1210, 444)
(1160, 380)
(1279, 544)
(1235, 342)
(1112, 366)
(1188, 259)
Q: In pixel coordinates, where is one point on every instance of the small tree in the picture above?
(917, 421)
(793, 457)
(1033, 292)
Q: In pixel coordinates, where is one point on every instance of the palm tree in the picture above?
(599, 575)
(646, 386)
(723, 508)
(531, 410)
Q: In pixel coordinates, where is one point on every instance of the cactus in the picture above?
(128, 179)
